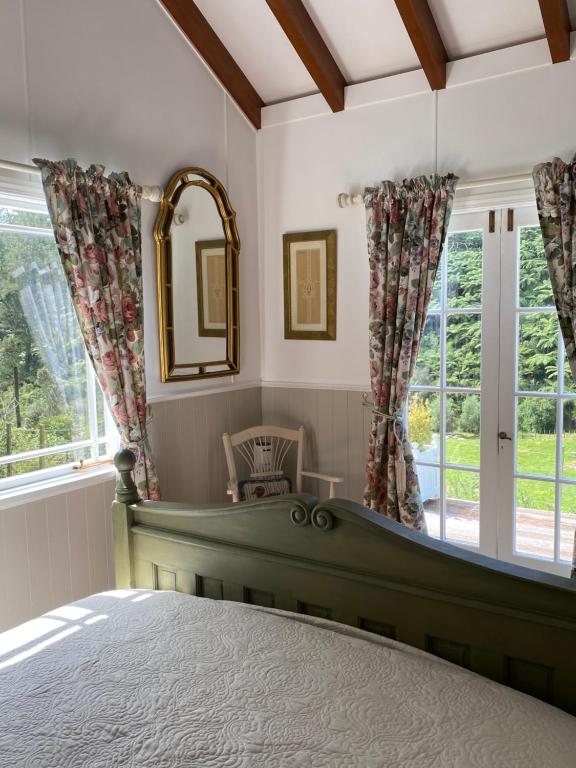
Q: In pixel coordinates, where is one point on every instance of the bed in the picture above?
(332, 638)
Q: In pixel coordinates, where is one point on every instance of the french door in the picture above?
(492, 407)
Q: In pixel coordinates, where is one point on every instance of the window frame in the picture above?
(499, 391)
(511, 311)
(487, 391)
(29, 197)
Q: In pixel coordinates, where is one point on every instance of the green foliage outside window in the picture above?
(538, 332)
(37, 408)
(469, 420)
(537, 371)
(420, 421)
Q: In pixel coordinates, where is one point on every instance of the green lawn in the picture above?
(536, 454)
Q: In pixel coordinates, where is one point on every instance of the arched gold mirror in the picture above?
(197, 248)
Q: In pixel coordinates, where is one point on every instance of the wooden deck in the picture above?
(534, 534)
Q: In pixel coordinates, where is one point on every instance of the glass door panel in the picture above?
(492, 407)
(537, 409)
(445, 407)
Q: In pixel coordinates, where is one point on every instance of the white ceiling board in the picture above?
(366, 37)
(259, 46)
(468, 27)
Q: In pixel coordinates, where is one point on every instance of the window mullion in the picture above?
(559, 448)
(92, 408)
(442, 446)
(112, 438)
(52, 450)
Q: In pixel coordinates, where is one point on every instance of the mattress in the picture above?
(164, 680)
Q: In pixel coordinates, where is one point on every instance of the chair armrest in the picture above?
(322, 476)
(232, 490)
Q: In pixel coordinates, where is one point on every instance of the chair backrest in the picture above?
(263, 452)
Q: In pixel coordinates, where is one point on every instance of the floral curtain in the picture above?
(406, 227)
(96, 221)
(555, 186)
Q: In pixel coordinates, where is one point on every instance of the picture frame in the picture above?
(310, 285)
(211, 287)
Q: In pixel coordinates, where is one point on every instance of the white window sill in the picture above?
(26, 494)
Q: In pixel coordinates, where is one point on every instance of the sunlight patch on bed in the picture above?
(26, 633)
(139, 599)
(120, 594)
(71, 612)
(96, 619)
(38, 647)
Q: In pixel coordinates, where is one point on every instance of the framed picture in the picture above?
(310, 285)
(211, 287)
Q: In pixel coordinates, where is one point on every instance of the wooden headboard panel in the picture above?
(343, 562)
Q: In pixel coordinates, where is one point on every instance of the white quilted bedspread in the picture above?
(164, 680)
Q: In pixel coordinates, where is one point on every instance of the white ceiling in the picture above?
(468, 27)
(366, 37)
(259, 46)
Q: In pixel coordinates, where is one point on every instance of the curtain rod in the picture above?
(154, 194)
(345, 199)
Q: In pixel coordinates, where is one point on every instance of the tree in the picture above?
(52, 409)
(538, 332)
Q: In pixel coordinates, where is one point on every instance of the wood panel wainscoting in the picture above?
(337, 431)
(186, 438)
(60, 544)
(341, 561)
(54, 550)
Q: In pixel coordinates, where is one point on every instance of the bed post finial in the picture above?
(126, 491)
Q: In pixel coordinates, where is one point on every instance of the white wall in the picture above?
(54, 550)
(116, 83)
(494, 127)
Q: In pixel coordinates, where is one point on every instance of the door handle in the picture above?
(504, 436)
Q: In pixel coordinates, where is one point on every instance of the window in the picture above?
(492, 408)
(445, 398)
(52, 411)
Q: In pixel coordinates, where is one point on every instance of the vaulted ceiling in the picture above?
(266, 51)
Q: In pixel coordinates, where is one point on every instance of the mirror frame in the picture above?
(179, 182)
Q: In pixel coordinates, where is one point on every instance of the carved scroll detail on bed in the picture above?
(319, 517)
(340, 560)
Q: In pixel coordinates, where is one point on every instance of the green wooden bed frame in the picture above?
(341, 561)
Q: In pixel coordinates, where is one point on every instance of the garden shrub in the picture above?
(537, 415)
(469, 420)
(420, 422)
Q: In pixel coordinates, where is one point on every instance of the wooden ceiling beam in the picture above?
(557, 25)
(199, 32)
(423, 33)
(311, 48)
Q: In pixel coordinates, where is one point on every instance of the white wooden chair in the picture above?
(263, 452)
